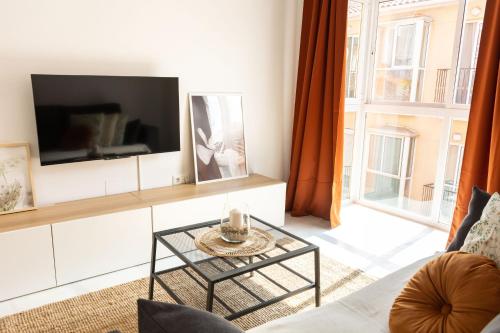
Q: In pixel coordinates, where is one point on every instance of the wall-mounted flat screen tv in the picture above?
(84, 117)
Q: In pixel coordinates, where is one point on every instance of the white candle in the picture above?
(236, 219)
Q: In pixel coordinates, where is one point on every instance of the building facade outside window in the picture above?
(400, 59)
(412, 80)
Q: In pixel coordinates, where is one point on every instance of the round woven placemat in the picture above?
(259, 241)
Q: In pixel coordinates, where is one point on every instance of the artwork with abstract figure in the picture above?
(16, 193)
(218, 137)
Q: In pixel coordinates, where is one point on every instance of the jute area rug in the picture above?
(116, 309)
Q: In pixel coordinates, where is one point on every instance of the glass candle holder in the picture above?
(235, 222)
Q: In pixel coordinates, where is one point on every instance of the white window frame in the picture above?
(415, 67)
(473, 63)
(352, 104)
(403, 160)
(352, 132)
(365, 105)
(348, 70)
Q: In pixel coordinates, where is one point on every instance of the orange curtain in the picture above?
(481, 162)
(315, 183)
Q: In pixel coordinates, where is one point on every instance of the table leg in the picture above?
(317, 281)
(210, 296)
(153, 266)
(250, 261)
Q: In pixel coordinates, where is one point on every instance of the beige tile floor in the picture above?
(370, 240)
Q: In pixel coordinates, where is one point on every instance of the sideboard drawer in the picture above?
(96, 245)
(26, 261)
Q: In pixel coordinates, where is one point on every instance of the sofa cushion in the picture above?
(158, 317)
(478, 201)
(457, 292)
(484, 237)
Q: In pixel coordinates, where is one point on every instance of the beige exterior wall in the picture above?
(458, 128)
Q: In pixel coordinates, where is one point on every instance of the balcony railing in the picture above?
(463, 85)
(346, 182)
(449, 192)
(440, 89)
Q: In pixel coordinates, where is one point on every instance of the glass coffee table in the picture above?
(213, 270)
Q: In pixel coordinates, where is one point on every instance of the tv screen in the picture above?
(82, 118)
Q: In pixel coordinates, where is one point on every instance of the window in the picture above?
(453, 166)
(349, 125)
(400, 60)
(404, 155)
(389, 163)
(400, 158)
(354, 19)
(348, 151)
(355, 11)
(469, 51)
(414, 50)
(352, 66)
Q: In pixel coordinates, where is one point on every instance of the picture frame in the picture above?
(16, 180)
(218, 136)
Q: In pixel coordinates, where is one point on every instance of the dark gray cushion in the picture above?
(478, 201)
(158, 317)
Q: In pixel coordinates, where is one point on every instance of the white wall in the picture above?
(216, 45)
(293, 26)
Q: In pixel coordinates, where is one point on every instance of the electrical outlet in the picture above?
(176, 180)
(181, 179)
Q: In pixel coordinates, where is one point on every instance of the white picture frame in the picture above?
(16, 182)
(218, 136)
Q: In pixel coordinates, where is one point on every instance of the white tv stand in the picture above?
(76, 240)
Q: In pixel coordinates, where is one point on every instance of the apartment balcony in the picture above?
(448, 200)
(463, 86)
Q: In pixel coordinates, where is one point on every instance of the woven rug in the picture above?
(115, 308)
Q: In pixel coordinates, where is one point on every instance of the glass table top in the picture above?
(181, 241)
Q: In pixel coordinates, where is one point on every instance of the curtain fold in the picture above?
(315, 182)
(481, 161)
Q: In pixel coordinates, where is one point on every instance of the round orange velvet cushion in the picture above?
(454, 293)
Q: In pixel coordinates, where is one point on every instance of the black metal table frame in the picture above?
(249, 267)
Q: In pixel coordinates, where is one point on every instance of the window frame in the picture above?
(415, 68)
(364, 104)
(475, 47)
(403, 162)
(348, 71)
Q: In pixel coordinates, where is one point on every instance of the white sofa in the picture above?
(366, 310)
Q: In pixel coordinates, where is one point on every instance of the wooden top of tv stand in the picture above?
(73, 210)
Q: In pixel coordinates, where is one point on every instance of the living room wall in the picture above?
(212, 46)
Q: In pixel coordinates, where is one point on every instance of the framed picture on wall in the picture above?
(16, 186)
(218, 132)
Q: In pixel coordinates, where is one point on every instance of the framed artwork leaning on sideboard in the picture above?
(218, 134)
(16, 185)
